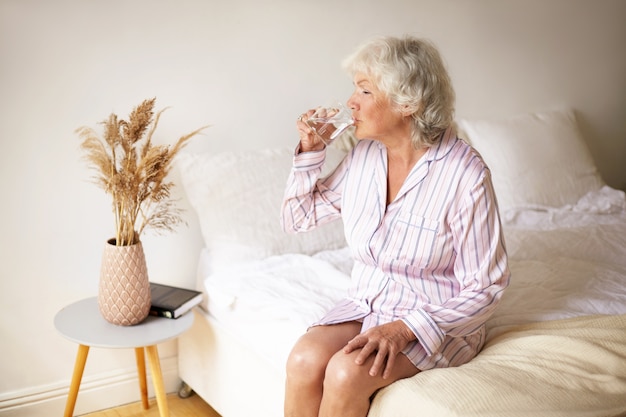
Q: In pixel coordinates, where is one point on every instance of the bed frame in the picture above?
(217, 366)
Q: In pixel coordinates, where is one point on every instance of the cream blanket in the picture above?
(573, 367)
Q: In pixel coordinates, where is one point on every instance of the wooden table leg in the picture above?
(141, 372)
(157, 380)
(77, 376)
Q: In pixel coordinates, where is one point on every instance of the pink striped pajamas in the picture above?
(434, 258)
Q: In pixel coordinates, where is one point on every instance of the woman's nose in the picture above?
(351, 103)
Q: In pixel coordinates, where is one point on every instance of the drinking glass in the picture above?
(330, 121)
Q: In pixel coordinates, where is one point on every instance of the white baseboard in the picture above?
(97, 392)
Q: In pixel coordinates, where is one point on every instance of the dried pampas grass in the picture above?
(133, 171)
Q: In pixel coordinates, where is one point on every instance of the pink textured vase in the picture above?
(124, 289)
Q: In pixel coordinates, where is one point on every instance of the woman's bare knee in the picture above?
(343, 374)
(312, 352)
(307, 363)
(304, 362)
(347, 387)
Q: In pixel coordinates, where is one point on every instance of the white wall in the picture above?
(248, 68)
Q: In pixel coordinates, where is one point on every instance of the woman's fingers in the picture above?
(366, 351)
(308, 138)
(384, 342)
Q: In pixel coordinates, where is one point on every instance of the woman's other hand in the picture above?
(385, 342)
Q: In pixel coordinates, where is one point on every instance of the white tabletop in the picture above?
(81, 322)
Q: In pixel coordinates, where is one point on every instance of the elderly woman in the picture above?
(421, 219)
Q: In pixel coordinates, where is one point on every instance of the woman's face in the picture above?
(374, 115)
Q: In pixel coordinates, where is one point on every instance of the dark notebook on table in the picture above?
(172, 302)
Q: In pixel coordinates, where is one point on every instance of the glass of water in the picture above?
(330, 121)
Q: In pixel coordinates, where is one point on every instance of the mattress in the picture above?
(565, 263)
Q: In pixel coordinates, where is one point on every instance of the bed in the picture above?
(556, 346)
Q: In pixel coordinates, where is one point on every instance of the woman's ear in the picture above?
(408, 110)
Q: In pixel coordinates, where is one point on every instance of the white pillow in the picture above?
(536, 159)
(237, 197)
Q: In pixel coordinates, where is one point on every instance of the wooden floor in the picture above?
(193, 406)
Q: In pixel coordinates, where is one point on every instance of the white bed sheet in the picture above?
(268, 304)
(565, 263)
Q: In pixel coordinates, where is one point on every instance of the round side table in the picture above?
(82, 323)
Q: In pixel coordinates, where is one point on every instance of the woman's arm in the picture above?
(481, 267)
(308, 200)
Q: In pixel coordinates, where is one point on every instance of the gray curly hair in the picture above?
(411, 72)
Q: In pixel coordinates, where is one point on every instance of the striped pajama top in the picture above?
(434, 257)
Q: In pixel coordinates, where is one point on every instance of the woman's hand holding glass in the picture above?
(319, 127)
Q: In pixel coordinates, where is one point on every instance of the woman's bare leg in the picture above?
(348, 387)
(306, 366)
